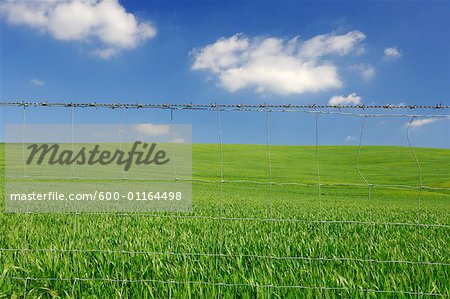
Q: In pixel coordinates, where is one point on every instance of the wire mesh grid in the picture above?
(221, 254)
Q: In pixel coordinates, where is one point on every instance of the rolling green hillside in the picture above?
(246, 238)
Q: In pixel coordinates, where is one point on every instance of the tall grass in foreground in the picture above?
(252, 240)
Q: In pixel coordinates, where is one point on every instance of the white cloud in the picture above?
(367, 71)
(37, 82)
(392, 53)
(105, 53)
(274, 64)
(104, 22)
(422, 122)
(152, 130)
(351, 99)
(350, 138)
(325, 44)
(224, 53)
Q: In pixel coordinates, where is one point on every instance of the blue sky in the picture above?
(231, 52)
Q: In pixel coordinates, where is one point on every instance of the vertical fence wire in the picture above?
(24, 110)
(220, 231)
(370, 241)
(75, 280)
(419, 196)
(172, 216)
(75, 223)
(76, 215)
(319, 201)
(25, 287)
(27, 215)
(72, 138)
(269, 174)
(122, 222)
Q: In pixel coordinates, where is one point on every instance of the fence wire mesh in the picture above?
(227, 249)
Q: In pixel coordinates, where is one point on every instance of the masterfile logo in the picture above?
(141, 153)
(98, 168)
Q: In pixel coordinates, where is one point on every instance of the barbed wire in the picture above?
(213, 106)
(342, 110)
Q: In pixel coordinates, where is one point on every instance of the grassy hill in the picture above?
(246, 238)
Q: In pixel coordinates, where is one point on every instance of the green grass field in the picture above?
(253, 240)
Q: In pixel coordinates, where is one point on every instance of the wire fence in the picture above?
(270, 284)
(212, 106)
